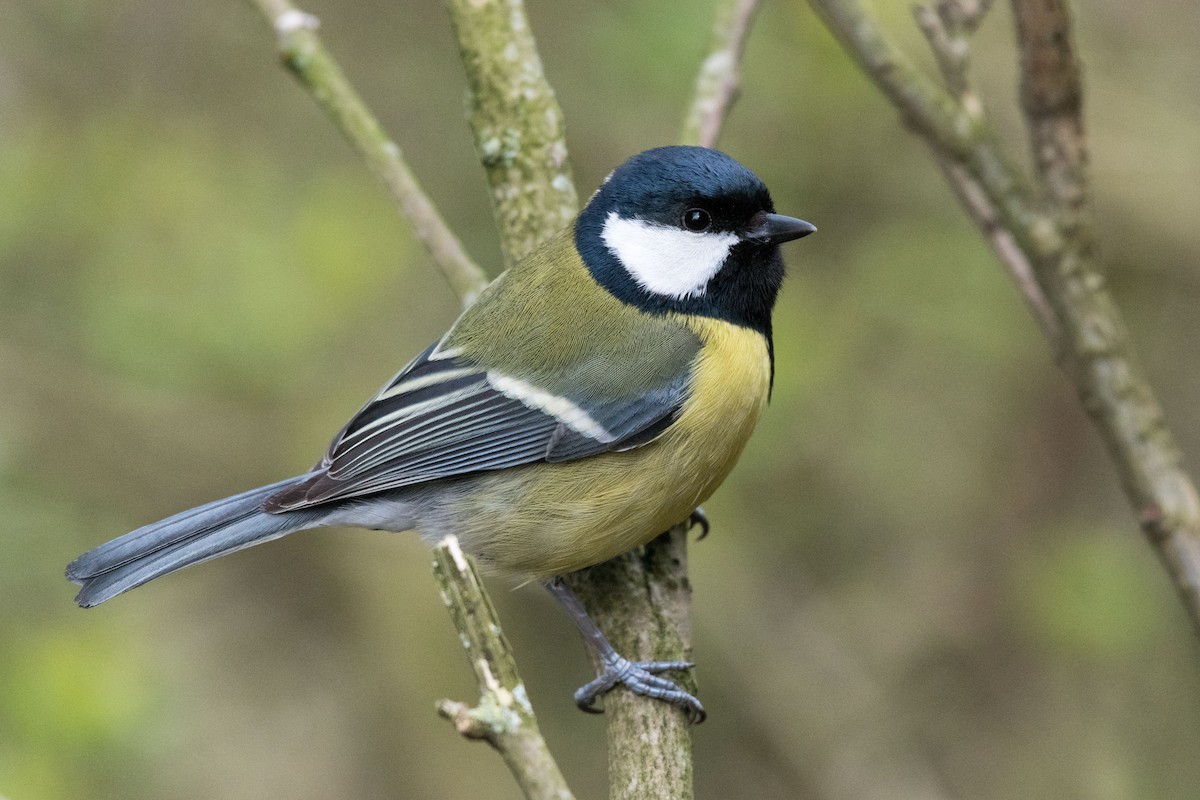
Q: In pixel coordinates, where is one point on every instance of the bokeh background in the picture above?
(922, 580)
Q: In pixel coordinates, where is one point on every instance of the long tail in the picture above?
(187, 538)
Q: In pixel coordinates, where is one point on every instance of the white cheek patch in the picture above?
(665, 260)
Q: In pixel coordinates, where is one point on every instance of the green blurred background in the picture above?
(922, 582)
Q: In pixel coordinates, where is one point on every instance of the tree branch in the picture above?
(642, 600)
(1053, 233)
(1110, 380)
(518, 125)
(504, 718)
(720, 77)
(306, 58)
(1052, 98)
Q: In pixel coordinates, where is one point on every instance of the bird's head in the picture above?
(688, 229)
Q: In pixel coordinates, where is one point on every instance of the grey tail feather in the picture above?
(186, 538)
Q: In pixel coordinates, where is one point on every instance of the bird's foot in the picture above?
(698, 517)
(640, 677)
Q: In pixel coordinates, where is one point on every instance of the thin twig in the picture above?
(503, 718)
(304, 55)
(720, 77)
(957, 136)
(965, 13)
(1054, 235)
(947, 26)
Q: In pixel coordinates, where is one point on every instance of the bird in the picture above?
(594, 395)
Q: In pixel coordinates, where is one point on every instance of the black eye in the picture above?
(697, 219)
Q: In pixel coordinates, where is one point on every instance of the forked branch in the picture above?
(503, 718)
(1044, 236)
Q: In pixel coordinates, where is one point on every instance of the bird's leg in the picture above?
(640, 677)
(698, 517)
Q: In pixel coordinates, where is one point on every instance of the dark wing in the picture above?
(443, 416)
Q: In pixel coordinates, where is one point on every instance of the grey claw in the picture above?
(585, 696)
(698, 517)
(641, 677)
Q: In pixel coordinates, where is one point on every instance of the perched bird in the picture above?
(593, 396)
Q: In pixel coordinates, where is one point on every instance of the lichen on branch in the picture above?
(519, 130)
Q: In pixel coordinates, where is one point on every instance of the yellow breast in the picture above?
(547, 519)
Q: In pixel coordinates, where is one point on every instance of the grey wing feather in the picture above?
(442, 416)
(631, 424)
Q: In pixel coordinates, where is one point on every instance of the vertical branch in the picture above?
(1052, 98)
(643, 602)
(518, 125)
(638, 600)
(1109, 379)
(643, 599)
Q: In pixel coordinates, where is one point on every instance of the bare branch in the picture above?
(956, 136)
(503, 718)
(518, 125)
(1054, 237)
(307, 59)
(720, 77)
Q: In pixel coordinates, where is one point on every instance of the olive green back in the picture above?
(548, 321)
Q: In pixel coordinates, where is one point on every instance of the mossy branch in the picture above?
(1042, 231)
(519, 130)
(642, 601)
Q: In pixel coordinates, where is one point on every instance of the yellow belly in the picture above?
(548, 519)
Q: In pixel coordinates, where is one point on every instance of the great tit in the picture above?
(593, 397)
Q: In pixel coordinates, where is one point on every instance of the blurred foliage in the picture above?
(922, 580)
